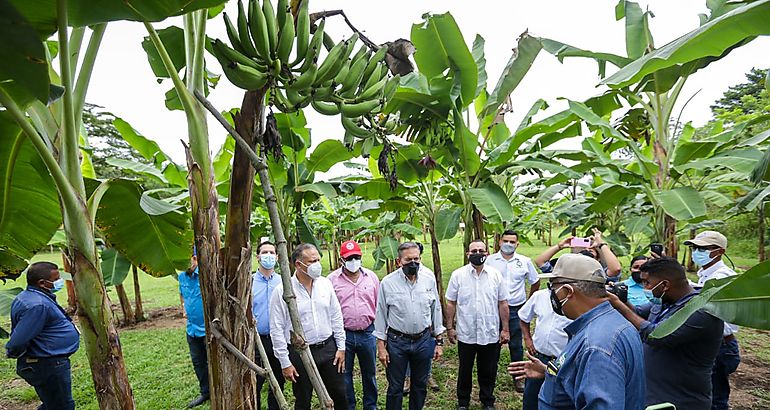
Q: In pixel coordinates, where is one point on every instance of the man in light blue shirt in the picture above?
(190, 292)
(264, 282)
(634, 282)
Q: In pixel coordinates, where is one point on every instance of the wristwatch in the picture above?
(439, 341)
(600, 245)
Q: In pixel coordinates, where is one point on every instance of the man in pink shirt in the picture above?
(356, 288)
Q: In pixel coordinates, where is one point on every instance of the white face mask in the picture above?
(313, 270)
(353, 265)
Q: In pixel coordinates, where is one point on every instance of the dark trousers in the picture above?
(486, 358)
(532, 387)
(727, 361)
(51, 379)
(200, 362)
(514, 345)
(417, 354)
(364, 345)
(323, 356)
(275, 365)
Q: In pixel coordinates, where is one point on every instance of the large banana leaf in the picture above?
(115, 267)
(742, 300)
(29, 204)
(23, 56)
(682, 203)
(740, 160)
(150, 150)
(518, 65)
(326, 154)
(158, 244)
(389, 248)
(6, 298)
(492, 202)
(447, 223)
(609, 197)
(712, 39)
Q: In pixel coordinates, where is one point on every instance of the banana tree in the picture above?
(650, 80)
(47, 107)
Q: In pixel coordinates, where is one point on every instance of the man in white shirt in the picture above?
(479, 296)
(516, 269)
(548, 342)
(707, 250)
(321, 318)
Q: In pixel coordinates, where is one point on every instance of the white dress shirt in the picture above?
(718, 271)
(319, 313)
(516, 271)
(477, 296)
(550, 337)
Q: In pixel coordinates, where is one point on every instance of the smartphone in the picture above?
(656, 248)
(580, 242)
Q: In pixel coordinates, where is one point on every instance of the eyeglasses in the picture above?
(352, 257)
(704, 248)
(551, 285)
(475, 251)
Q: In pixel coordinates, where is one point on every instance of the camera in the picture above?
(618, 289)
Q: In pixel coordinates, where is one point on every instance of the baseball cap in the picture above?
(708, 238)
(349, 248)
(577, 267)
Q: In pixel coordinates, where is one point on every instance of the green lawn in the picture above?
(161, 373)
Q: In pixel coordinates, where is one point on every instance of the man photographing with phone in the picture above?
(592, 246)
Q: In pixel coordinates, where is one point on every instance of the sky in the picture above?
(123, 83)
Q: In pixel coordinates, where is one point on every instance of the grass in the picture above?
(161, 374)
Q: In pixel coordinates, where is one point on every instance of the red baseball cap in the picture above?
(349, 248)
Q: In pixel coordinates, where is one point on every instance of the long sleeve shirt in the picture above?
(516, 271)
(718, 271)
(261, 291)
(40, 327)
(319, 313)
(357, 299)
(408, 307)
(477, 296)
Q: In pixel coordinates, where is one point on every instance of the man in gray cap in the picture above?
(602, 365)
(707, 250)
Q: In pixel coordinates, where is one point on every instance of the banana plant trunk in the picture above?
(671, 245)
(437, 266)
(139, 311)
(761, 233)
(125, 305)
(72, 299)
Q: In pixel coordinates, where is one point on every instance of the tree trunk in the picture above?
(139, 311)
(125, 305)
(690, 265)
(478, 224)
(102, 344)
(437, 267)
(72, 298)
(671, 245)
(761, 233)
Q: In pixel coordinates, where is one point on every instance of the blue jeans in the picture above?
(514, 345)
(363, 344)
(417, 354)
(51, 379)
(532, 387)
(727, 361)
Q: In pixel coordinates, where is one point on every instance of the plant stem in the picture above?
(86, 69)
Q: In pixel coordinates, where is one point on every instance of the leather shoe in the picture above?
(432, 384)
(198, 401)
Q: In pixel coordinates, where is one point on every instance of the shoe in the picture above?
(432, 383)
(407, 385)
(519, 386)
(198, 401)
(489, 407)
(462, 408)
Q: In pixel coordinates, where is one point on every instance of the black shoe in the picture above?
(489, 407)
(462, 408)
(198, 401)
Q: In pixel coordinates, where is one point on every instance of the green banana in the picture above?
(374, 62)
(285, 37)
(243, 32)
(372, 91)
(305, 80)
(333, 58)
(232, 34)
(358, 109)
(351, 44)
(245, 77)
(281, 101)
(391, 87)
(325, 108)
(359, 54)
(280, 15)
(272, 26)
(354, 76)
(258, 31)
(294, 97)
(226, 55)
(376, 77)
(302, 30)
(343, 72)
(314, 48)
(322, 93)
(350, 126)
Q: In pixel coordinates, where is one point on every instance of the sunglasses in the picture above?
(352, 257)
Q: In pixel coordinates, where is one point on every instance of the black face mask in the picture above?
(411, 268)
(477, 259)
(636, 276)
(557, 304)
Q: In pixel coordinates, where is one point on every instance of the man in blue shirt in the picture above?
(190, 292)
(602, 365)
(634, 282)
(262, 285)
(43, 337)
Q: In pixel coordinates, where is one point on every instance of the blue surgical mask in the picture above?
(508, 248)
(701, 257)
(58, 284)
(655, 300)
(267, 260)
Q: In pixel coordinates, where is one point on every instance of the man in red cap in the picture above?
(356, 288)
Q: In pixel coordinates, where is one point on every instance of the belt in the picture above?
(323, 343)
(28, 359)
(729, 338)
(415, 336)
(359, 330)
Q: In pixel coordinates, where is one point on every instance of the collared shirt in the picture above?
(477, 296)
(601, 367)
(319, 313)
(261, 290)
(635, 292)
(550, 336)
(718, 271)
(408, 307)
(358, 300)
(679, 366)
(190, 289)
(515, 271)
(40, 327)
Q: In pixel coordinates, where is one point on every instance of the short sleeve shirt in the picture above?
(477, 296)
(516, 271)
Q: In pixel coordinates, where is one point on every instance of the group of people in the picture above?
(592, 347)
